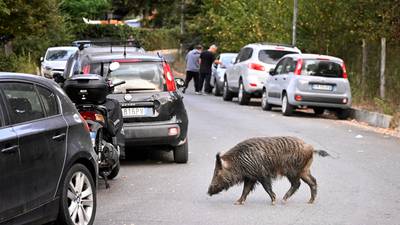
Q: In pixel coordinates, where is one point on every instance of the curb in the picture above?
(372, 118)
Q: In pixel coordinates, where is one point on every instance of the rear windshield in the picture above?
(58, 55)
(322, 68)
(272, 56)
(139, 76)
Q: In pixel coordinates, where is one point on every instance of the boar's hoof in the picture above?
(311, 201)
(273, 202)
(239, 203)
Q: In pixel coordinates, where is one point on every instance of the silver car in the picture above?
(218, 71)
(308, 80)
(55, 60)
(246, 77)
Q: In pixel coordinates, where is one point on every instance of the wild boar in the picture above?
(261, 160)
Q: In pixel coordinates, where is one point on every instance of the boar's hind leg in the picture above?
(310, 180)
(295, 184)
(266, 183)
(247, 187)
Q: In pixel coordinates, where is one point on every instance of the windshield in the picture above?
(322, 68)
(139, 76)
(272, 56)
(59, 55)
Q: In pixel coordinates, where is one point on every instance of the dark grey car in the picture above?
(47, 162)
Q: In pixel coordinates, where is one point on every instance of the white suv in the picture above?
(245, 79)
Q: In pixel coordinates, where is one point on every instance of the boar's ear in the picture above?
(218, 163)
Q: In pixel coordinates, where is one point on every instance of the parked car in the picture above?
(47, 162)
(218, 71)
(55, 59)
(308, 80)
(153, 109)
(245, 79)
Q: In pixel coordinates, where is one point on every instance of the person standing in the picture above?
(192, 68)
(207, 58)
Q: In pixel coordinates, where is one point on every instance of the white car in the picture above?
(246, 78)
(55, 60)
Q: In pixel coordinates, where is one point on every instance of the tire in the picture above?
(114, 172)
(287, 108)
(227, 95)
(181, 153)
(319, 111)
(83, 205)
(217, 90)
(342, 114)
(264, 101)
(243, 97)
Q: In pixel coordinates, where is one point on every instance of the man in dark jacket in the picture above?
(207, 58)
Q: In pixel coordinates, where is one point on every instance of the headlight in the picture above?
(48, 68)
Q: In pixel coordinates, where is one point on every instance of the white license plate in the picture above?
(136, 112)
(322, 87)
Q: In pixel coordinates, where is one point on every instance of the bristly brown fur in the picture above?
(261, 160)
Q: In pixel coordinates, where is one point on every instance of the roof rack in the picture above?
(82, 44)
(278, 44)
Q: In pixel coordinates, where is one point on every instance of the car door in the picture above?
(11, 199)
(243, 65)
(273, 84)
(287, 73)
(41, 130)
(232, 72)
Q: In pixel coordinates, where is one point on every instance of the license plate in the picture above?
(322, 87)
(137, 112)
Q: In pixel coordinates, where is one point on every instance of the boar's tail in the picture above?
(322, 153)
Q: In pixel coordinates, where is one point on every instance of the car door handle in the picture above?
(276, 78)
(58, 137)
(284, 78)
(10, 150)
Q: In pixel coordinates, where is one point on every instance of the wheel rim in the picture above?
(80, 199)
(264, 99)
(240, 94)
(284, 103)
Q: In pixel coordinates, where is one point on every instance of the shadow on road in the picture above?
(144, 155)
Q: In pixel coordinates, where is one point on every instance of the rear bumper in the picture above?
(325, 101)
(153, 133)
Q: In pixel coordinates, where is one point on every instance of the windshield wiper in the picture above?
(139, 89)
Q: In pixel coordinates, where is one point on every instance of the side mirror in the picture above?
(114, 66)
(233, 61)
(215, 66)
(272, 71)
(180, 83)
(41, 59)
(58, 78)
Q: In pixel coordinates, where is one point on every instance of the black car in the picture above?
(47, 162)
(153, 109)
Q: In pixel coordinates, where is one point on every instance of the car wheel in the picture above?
(181, 153)
(78, 197)
(217, 90)
(227, 94)
(243, 97)
(342, 114)
(319, 111)
(114, 172)
(287, 108)
(264, 101)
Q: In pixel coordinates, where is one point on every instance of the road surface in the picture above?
(360, 184)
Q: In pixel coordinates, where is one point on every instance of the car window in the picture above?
(139, 76)
(321, 68)
(59, 55)
(240, 55)
(23, 102)
(272, 56)
(289, 66)
(280, 67)
(49, 101)
(246, 54)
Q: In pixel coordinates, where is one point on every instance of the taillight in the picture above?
(299, 65)
(255, 66)
(88, 115)
(298, 98)
(85, 124)
(170, 82)
(344, 71)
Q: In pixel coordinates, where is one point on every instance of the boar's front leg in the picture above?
(247, 187)
(266, 183)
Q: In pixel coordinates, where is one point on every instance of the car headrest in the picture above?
(20, 105)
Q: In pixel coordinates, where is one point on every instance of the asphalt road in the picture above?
(360, 185)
